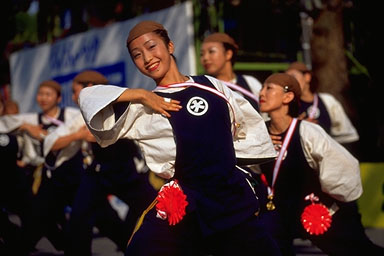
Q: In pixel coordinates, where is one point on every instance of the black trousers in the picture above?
(91, 208)
(157, 237)
(346, 235)
(46, 210)
(15, 193)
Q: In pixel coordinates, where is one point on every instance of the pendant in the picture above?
(270, 205)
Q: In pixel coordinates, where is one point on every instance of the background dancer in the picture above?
(309, 161)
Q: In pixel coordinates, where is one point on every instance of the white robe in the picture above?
(69, 127)
(154, 133)
(339, 171)
(30, 147)
(342, 129)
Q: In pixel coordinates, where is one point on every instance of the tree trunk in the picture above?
(329, 62)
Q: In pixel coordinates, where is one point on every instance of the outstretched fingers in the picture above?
(160, 104)
(169, 104)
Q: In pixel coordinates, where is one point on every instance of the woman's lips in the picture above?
(153, 67)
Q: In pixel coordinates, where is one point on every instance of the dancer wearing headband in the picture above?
(31, 129)
(192, 131)
(322, 108)
(218, 55)
(311, 168)
(117, 170)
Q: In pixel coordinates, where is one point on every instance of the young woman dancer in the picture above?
(115, 170)
(322, 108)
(212, 205)
(313, 166)
(31, 130)
(218, 55)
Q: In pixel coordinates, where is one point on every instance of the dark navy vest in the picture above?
(295, 180)
(51, 125)
(243, 83)
(69, 171)
(322, 116)
(50, 158)
(8, 152)
(205, 159)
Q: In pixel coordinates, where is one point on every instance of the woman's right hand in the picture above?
(303, 116)
(276, 141)
(150, 99)
(36, 131)
(85, 134)
(160, 104)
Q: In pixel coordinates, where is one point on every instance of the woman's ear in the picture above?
(171, 47)
(288, 97)
(228, 54)
(307, 77)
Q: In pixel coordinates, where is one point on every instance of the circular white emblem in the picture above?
(4, 140)
(197, 106)
(316, 113)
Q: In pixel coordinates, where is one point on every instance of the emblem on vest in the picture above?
(316, 111)
(197, 106)
(4, 140)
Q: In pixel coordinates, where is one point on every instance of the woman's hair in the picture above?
(294, 107)
(301, 67)
(227, 41)
(314, 84)
(90, 77)
(227, 47)
(147, 27)
(290, 84)
(163, 34)
(53, 85)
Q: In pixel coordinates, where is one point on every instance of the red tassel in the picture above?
(171, 203)
(316, 218)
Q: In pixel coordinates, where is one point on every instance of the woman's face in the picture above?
(271, 97)
(47, 98)
(76, 88)
(300, 77)
(151, 56)
(213, 57)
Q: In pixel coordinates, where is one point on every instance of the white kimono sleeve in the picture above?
(96, 105)
(339, 171)
(9, 123)
(152, 131)
(73, 121)
(29, 147)
(251, 139)
(342, 130)
(72, 124)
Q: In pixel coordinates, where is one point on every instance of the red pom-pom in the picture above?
(171, 203)
(316, 219)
